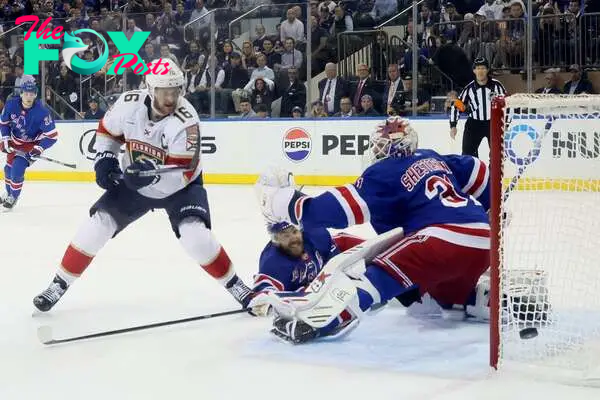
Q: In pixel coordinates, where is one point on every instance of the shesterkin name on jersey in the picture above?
(420, 169)
(140, 150)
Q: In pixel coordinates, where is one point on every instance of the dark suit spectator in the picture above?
(551, 87)
(332, 89)
(393, 87)
(362, 87)
(261, 35)
(345, 108)
(293, 93)
(405, 103)
(578, 83)
(192, 83)
(367, 107)
(236, 77)
(272, 56)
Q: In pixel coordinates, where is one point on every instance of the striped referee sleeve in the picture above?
(454, 112)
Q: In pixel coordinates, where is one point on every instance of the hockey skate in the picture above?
(7, 203)
(239, 290)
(49, 297)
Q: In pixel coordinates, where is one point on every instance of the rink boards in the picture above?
(333, 151)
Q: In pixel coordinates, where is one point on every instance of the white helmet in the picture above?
(393, 138)
(173, 78)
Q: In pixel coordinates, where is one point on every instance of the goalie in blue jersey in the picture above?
(26, 131)
(430, 214)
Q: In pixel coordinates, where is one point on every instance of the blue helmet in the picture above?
(29, 86)
(275, 228)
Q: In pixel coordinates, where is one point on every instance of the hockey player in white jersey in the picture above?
(159, 128)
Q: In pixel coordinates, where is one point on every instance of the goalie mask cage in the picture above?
(545, 220)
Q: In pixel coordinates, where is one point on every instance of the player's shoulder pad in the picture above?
(13, 103)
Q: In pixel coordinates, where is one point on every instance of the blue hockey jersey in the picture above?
(279, 272)
(422, 190)
(24, 126)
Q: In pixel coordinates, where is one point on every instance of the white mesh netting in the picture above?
(550, 238)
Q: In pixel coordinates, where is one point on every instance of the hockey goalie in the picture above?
(430, 214)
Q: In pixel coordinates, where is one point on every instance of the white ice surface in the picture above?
(143, 276)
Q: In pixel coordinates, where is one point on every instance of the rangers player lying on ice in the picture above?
(430, 212)
(26, 131)
(159, 127)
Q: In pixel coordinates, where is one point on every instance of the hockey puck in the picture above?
(528, 333)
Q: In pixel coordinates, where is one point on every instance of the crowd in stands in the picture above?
(254, 68)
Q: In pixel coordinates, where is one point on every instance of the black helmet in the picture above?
(481, 61)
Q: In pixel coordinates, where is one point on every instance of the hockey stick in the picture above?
(167, 169)
(52, 160)
(45, 332)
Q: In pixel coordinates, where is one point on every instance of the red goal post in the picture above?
(545, 247)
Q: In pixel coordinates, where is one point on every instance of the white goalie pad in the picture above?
(333, 290)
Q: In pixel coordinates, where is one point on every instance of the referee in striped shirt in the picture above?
(476, 101)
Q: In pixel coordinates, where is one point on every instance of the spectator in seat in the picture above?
(297, 112)
(94, 111)
(384, 9)
(383, 55)
(345, 108)
(165, 52)
(236, 77)
(511, 46)
(261, 111)
(290, 58)
(320, 52)
(261, 35)
(246, 111)
(226, 52)
(367, 107)
(341, 22)
(249, 58)
(293, 93)
(448, 29)
(551, 87)
(332, 89)
(451, 97)
(291, 27)
(131, 29)
(269, 52)
(317, 110)
(192, 84)
(262, 71)
(572, 30)
(362, 87)
(325, 18)
(393, 87)
(149, 53)
(261, 94)
(206, 81)
(492, 9)
(194, 53)
(577, 84)
(7, 81)
(423, 100)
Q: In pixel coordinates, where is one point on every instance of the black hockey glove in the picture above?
(106, 165)
(132, 177)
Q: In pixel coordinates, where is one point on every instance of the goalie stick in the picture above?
(45, 336)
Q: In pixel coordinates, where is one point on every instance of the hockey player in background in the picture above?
(441, 202)
(26, 131)
(159, 127)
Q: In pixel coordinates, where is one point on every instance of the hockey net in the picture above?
(545, 216)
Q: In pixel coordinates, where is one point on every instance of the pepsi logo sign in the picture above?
(297, 144)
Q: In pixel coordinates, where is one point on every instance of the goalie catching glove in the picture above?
(274, 189)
